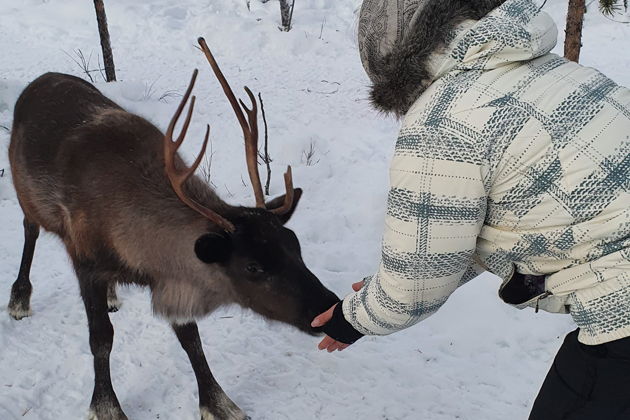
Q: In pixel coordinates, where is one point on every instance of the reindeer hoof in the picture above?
(18, 311)
(223, 412)
(106, 412)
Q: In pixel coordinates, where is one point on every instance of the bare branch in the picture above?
(101, 69)
(206, 168)
(169, 94)
(309, 155)
(291, 16)
(265, 157)
(83, 63)
(321, 30)
(149, 90)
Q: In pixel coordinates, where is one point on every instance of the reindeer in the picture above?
(129, 211)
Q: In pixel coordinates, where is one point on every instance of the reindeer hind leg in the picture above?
(20, 302)
(94, 283)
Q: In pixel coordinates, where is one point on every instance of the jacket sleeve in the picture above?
(435, 211)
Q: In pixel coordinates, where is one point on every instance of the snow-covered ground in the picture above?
(477, 359)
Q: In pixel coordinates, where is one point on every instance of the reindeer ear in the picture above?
(213, 248)
(279, 201)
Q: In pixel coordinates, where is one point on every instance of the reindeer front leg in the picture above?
(93, 283)
(213, 402)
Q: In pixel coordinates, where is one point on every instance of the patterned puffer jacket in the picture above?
(510, 159)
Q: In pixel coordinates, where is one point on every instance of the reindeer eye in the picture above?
(254, 268)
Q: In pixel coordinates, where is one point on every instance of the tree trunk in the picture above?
(575, 21)
(286, 14)
(108, 56)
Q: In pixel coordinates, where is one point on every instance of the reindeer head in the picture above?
(251, 246)
(263, 260)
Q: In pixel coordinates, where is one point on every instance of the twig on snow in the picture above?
(321, 31)
(309, 155)
(149, 90)
(169, 94)
(84, 63)
(206, 168)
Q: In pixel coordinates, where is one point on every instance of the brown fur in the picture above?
(114, 195)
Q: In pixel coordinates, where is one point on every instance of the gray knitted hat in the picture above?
(382, 24)
(397, 39)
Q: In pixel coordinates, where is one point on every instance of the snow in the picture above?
(477, 358)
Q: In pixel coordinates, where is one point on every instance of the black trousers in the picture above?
(586, 383)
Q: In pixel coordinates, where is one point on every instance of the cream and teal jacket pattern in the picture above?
(511, 159)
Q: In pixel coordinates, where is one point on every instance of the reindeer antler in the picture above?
(178, 177)
(250, 135)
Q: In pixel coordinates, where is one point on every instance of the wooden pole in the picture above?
(573, 31)
(108, 56)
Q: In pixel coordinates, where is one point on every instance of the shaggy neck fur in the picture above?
(402, 74)
(159, 242)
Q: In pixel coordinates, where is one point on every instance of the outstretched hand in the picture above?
(329, 343)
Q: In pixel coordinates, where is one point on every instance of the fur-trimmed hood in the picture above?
(406, 45)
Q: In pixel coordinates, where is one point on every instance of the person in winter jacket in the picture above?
(510, 159)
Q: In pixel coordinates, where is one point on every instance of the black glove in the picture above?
(339, 328)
